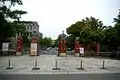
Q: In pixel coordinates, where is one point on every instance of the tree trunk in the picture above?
(97, 48)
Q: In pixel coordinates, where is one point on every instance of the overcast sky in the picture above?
(53, 16)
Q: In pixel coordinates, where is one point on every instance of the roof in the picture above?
(27, 22)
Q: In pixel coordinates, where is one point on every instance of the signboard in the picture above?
(82, 50)
(33, 46)
(5, 46)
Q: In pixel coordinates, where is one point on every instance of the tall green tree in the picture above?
(117, 26)
(70, 42)
(7, 27)
(5, 13)
(55, 44)
(6, 10)
(45, 42)
(112, 39)
(21, 28)
(89, 30)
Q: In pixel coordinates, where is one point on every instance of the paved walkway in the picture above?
(67, 65)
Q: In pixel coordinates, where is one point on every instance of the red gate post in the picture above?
(62, 45)
(19, 45)
(77, 47)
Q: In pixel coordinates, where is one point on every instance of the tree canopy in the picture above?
(92, 30)
(112, 38)
(9, 28)
(6, 29)
(89, 30)
(45, 42)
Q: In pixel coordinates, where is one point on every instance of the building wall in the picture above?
(31, 27)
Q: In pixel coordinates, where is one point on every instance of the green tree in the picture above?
(20, 28)
(89, 30)
(117, 27)
(45, 42)
(16, 14)
(5, 14)
(112, 36)
(5, 8)
(55, 44)
(117, 19)
(70, 41)
(112, 39)
(8, 28)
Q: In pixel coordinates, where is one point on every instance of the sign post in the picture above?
(5, 48)
(82, 51)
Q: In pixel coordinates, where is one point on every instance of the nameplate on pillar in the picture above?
(33, 48)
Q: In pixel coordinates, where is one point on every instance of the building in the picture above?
(31, 27)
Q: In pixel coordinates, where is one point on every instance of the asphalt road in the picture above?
(115, 76)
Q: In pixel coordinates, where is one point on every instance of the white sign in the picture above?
(82, 50)
(5, 46)
(33, 46)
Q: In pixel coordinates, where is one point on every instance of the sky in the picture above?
(54, 16)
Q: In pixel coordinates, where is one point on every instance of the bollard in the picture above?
(9, 67)
(81, 66)
(103, 66)
(56, 63)
(56, 67)
(35, 67)
(36, 64)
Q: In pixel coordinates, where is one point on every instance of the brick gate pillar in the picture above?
(19, 45)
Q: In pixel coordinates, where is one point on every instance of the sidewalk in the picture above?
(67, 65)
